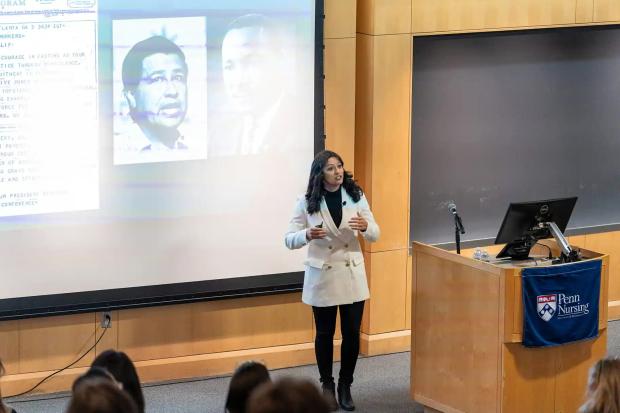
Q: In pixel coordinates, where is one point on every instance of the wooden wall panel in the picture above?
(379, 17)
(584, 12)
(391, 77)
(156, 332)
(340, 98)
(213, 327)
(250, 323)
(577, 241)
(340, 19)
(9, 346)
(478, 15)
(54, 342)
(382, 148)
(606, 11)
(363, 114)
(387, 279)
(608, 243)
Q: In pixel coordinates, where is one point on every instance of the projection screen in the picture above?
(151, 152)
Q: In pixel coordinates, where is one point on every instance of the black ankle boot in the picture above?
(329, 392)
(344, 397)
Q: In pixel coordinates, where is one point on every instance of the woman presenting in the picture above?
(328, 219)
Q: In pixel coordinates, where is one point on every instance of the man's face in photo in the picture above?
(160, 98)
(251, 63)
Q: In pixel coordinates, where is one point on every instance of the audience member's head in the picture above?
(100, 395)
(603, 393)
(124, 372)
(3, 408)
(94, 373)
(247, 377)
(287, 396)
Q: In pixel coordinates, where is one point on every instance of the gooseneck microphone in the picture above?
(452, 208)
(458, 226)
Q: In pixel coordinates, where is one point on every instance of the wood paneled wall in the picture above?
(605, 11)
(382, 129)
(199, 339)
(467, 15)
(455, 16)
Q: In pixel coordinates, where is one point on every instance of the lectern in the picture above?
(466, 349)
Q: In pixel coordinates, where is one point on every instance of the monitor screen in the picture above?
(521, 217)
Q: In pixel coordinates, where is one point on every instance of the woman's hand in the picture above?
(358, 223)
(315, 233)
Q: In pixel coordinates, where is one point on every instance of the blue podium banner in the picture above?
(560, 303)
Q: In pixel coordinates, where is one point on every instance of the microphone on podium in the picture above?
(452, 208)
(458, 226)
(457, 219)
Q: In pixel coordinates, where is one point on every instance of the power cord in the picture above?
(106, 324)
(549, 248)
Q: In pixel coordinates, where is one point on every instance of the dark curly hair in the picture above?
(315, 190)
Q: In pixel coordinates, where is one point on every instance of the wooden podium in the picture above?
(466, 351)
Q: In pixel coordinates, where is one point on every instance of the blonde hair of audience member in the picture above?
(100, 395)
(603, 393)
(287, 395)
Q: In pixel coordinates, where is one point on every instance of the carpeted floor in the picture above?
(382, 385)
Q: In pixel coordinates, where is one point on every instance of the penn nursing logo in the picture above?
(546, 306)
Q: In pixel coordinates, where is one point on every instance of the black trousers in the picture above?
(350, 323)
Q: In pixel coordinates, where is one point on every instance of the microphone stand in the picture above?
(458, 230)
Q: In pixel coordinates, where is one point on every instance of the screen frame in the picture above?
(185, 292)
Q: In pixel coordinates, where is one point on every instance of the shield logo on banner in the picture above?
(546, 306)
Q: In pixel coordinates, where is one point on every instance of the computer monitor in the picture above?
(526, 222)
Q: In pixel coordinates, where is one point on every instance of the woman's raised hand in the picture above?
(315, 233)
(358, 223)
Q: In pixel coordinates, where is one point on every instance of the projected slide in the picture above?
(144, 143)
(48, 110)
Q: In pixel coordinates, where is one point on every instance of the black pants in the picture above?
(350, 322)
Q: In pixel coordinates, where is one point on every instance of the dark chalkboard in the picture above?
(509, 117)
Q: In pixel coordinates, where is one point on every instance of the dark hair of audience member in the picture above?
(94, 373)
(100, 395)
(124, 371)
(245, 379)
(3, 408)
(603, 392)
(288, 396)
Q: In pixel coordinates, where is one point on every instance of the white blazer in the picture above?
(335, 272)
